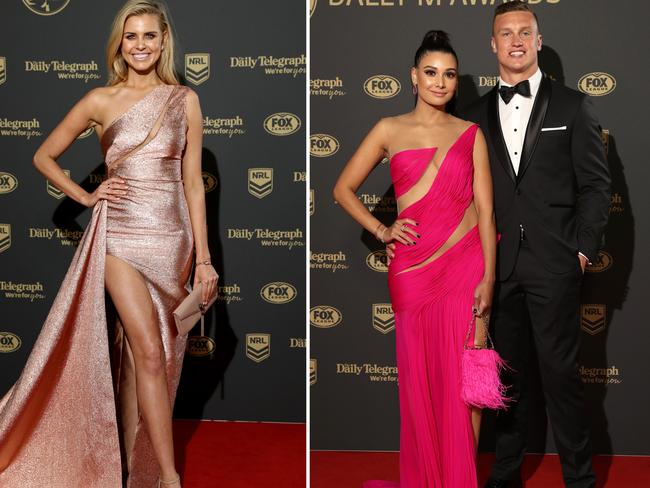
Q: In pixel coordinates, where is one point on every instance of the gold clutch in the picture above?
(188, 313)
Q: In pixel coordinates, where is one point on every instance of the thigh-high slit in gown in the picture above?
(433, 308)
(66, 419)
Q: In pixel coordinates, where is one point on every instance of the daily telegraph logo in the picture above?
(66, 237)
(8, 182)
(282, 124)
(610, 375)
(260, 181)
(258, 347)
(9, 342)
(197, 67)
(382, 86)
(209, 181)
(200, 346)
(278, 292)
(379, 203)
(489, 81)
(326, 87)
(597, 84)
(593, 318)
(383, 318)
(313, 371)
(602, 263)
(270, 237)
(324, 316)
(272, 65)
(5, 237)
(323, 145)
(616, 204)
(3, 69)
(46, 7)
(64, 70)
(330, 261)
(378, 261)
(21, 291)
(53, 190)
(223, 126)
(20, 128)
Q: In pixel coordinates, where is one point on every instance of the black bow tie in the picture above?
(507, 92)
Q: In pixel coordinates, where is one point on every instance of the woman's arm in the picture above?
(484, 203)
(195, 195)
(366, 157)
(75, 122)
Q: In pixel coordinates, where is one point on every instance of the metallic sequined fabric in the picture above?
(58, 423)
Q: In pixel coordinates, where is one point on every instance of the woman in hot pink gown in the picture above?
(443, 247)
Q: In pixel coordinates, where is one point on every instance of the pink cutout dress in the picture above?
(433, 308)
(59, 422)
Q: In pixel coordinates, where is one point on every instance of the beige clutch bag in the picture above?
(188, 313)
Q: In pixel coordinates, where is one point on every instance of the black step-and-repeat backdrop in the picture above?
(361, 53)
(246, 60)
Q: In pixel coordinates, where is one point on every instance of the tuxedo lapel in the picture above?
(496, 136)
(535, 123)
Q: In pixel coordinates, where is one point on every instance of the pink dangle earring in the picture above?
(415, 89)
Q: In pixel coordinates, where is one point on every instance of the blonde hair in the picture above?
(117, 67)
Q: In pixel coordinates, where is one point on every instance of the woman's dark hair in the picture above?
(434, 41)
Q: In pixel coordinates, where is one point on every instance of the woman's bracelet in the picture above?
(206, 262)
(380, 237)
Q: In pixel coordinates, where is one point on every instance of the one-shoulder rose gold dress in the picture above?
(58, 423)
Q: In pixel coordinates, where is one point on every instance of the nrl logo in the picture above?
(5, 237)
(313, 367)
(3, 69)
(258, 347)
(197, 67)
(593, 318)
(53, 190)
(260, 181)
(209, 181)
(383, 318)
(46, 7)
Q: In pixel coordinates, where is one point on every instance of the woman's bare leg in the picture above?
(476, 424)
(135, 308)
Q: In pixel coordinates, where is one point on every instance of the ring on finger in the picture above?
(402, 228)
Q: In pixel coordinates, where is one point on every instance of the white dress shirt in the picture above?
(514, 118)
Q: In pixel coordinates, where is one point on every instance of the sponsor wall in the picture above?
(361, 53)
(246, 61)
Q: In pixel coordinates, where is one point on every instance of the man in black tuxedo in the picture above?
(551, 194)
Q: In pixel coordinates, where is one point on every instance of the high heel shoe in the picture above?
(169, 482)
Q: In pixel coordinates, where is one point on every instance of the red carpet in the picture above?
(240, 454)
(350, 469)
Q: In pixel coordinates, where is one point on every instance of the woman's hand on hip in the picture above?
(401, 232)
(111, 189)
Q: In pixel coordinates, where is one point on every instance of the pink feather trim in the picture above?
(481, 383)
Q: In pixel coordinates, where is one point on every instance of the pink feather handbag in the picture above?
(481, 384)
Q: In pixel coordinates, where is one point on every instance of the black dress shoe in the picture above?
(497, 483)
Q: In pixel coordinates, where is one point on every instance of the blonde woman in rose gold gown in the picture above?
(59, 422)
